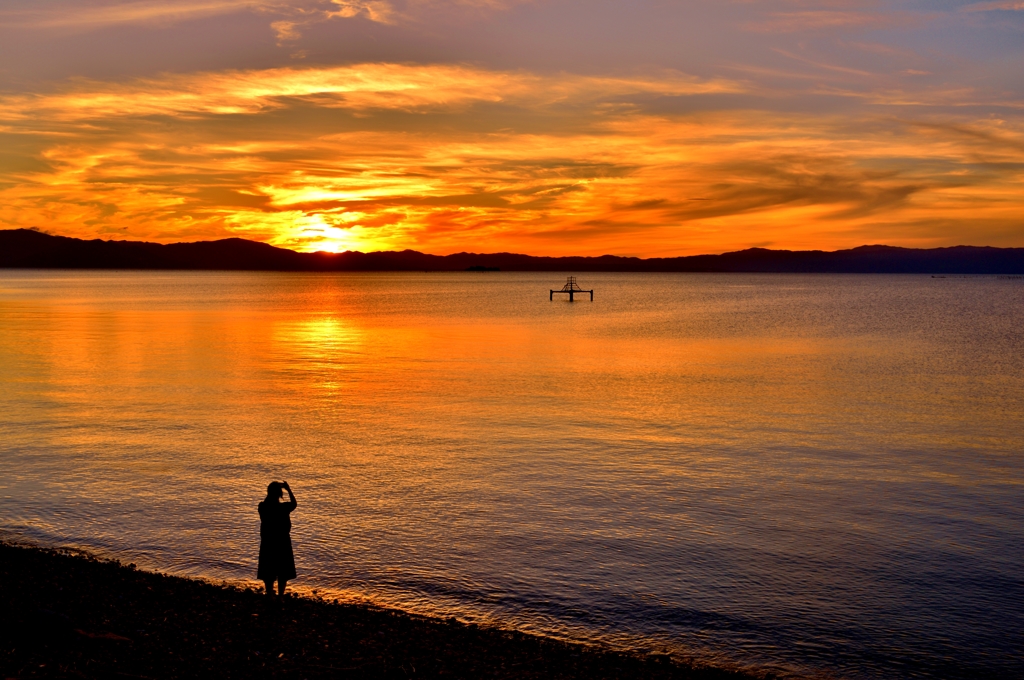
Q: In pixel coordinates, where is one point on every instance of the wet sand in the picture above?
(72, 615)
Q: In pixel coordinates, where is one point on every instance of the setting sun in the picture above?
(506, 339)
(794, 128)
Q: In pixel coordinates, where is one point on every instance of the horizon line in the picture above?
(482, 253)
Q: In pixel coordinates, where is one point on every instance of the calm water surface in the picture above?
(815, 474)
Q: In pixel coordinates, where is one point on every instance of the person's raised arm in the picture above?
(291, 496)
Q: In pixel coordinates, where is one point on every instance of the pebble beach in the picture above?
(72, 615)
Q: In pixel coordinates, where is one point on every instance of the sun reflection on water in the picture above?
(729, 466)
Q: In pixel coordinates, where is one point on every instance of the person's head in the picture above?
(274, 491)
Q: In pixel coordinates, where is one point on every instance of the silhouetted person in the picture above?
(277, 563)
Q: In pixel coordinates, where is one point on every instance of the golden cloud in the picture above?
(365, 86)
(448, 158)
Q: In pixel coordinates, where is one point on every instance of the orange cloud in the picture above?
(365, 86)
(450, 158)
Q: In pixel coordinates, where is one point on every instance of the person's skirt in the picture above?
(277, 563)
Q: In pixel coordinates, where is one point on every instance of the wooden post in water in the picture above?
(571, 288)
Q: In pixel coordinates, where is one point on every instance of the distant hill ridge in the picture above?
(30, 249)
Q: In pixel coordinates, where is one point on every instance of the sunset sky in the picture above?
(549, 127)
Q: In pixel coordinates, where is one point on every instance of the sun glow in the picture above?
(388, 156)
(335, 240)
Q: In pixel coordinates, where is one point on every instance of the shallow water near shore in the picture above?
(814, 474)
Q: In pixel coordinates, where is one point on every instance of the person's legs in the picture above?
(281, 583)
(270, 587)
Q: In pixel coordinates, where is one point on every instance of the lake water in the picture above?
(816, 474)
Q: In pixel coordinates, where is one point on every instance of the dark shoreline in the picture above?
(72, 615)
(28, 249)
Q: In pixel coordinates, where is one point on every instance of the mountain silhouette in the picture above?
(31, 249)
